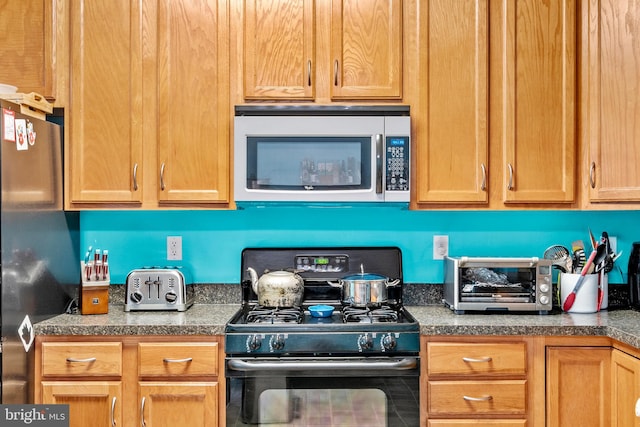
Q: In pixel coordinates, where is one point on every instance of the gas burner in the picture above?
(369, 315)
(261, 314)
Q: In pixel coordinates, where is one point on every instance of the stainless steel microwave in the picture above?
(498, 284)
(342, 153)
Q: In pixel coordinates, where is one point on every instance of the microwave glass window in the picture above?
(312, 163)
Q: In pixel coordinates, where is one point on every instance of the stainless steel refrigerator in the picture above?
(40, 242)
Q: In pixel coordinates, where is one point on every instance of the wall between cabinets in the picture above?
(213, 239)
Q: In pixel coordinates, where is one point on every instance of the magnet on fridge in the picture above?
(21, 135)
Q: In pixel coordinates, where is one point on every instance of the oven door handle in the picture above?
(298, 365)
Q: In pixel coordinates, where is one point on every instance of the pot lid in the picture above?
(365, 276)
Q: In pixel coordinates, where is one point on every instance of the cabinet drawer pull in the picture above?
(87, 360)
(113, 412)
(185, 360)
(477, 399)
(477, 360)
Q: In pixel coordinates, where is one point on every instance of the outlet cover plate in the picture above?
(174, 248)
(440, 247)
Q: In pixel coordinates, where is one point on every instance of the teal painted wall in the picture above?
(214, 239)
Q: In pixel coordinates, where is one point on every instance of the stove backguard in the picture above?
(320, 265)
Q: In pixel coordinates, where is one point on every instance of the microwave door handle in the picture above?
(379, 164)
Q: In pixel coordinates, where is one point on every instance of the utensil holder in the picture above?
(587, 297)
(94, 293)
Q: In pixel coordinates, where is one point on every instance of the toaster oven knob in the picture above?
(544, 299)
(171, 297)
(136, 297)
(544, 288)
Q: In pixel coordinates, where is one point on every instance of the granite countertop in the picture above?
(210, 319)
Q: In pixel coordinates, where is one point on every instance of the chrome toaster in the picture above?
(160, 289)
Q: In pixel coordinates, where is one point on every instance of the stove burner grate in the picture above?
(261, 314)
(369, 315)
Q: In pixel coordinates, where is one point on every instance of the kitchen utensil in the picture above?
(320, 310)
(594, 242)
(586, 300)
(601, 277)
(277, 288)
(559, 256)
(364, 289)
(572, 296)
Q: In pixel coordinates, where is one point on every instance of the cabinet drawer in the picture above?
(476, 359)
(477, 423)
(79, 359)
(502, 397)
(167, 359)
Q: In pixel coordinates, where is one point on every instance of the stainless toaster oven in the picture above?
(497, 284)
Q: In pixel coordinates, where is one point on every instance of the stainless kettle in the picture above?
(277, 288)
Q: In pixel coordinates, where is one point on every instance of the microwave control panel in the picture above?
(397, 163)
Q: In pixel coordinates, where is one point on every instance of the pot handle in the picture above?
(393, 283)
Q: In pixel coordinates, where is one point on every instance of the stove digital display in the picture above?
(322, 263)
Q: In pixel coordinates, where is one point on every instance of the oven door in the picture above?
(373, 392)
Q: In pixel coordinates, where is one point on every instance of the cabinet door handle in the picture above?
(142, 422)
(185, 360)
(477, 399)
(335, 73)
(135, 177)
(592, 175)
(113, 412)
(486, 359)
(87, 360)
(162, 176)
(483, 184)
(510, 184)
(309, 73)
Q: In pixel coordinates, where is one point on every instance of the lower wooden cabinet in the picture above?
(131, 381)
(625, 388)
(476, 381)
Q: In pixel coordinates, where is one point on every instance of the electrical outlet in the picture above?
(440, 247)
(174, 248)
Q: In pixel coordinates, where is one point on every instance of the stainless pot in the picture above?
(364, 289)
(277, 288)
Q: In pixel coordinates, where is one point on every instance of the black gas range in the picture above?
(359, 366)
(376, 329)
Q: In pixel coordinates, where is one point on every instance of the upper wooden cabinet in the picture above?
(495, 119)
(27, 46)
(319, 51)
(149, 104)
(611, 113)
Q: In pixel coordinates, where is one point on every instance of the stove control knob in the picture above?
(389, 342)
(277, 342)
(136, 297)
(365, 342)
(171, 297)
(253, 342)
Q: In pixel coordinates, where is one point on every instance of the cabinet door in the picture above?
(612, 104)
(105, 133)
(452, 145)
(192, 120)
(578, 386)
(535, 90)
(625, 389)
(167, 404)
(91, 403)
(26, 46)
(279, 49)
(366, 49)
